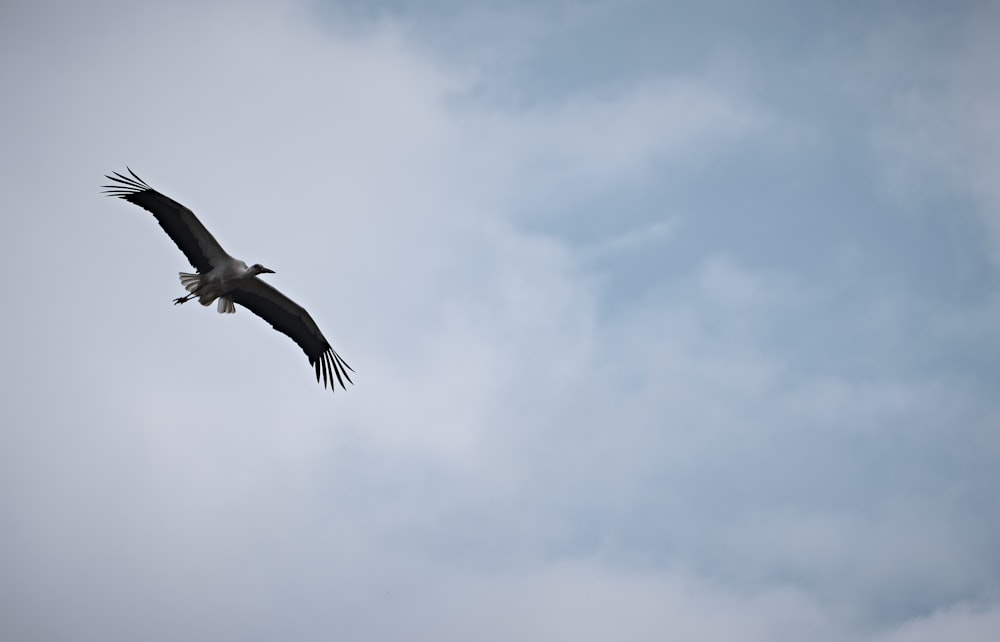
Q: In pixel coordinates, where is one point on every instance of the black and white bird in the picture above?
(228, 280)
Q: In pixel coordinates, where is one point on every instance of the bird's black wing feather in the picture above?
(180, 223)
(291, 319)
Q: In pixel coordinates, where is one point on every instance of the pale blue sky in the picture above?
(671, 321)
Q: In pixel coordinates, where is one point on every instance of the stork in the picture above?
(222, 278)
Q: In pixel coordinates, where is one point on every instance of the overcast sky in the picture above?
(671, 321)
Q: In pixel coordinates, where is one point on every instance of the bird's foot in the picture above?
(182, 299)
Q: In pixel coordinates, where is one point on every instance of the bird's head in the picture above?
(257, 268)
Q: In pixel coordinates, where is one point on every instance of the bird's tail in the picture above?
(190, 281)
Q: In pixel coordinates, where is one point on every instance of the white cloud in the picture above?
(515, 461)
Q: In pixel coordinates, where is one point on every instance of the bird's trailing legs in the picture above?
(184, 299)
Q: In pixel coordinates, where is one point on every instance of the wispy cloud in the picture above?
(936, 125)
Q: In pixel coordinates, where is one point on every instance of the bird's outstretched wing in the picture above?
(180, 223)
(290, 318)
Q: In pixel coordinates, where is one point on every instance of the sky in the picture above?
(671, 321)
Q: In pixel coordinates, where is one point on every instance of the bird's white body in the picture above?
(226, 277)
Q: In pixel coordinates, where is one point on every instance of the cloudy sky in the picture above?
(670, 321)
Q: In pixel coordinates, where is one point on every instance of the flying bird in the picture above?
(222, 278)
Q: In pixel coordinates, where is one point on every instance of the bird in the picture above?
(228, 280)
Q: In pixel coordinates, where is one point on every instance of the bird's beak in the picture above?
(264, 270)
